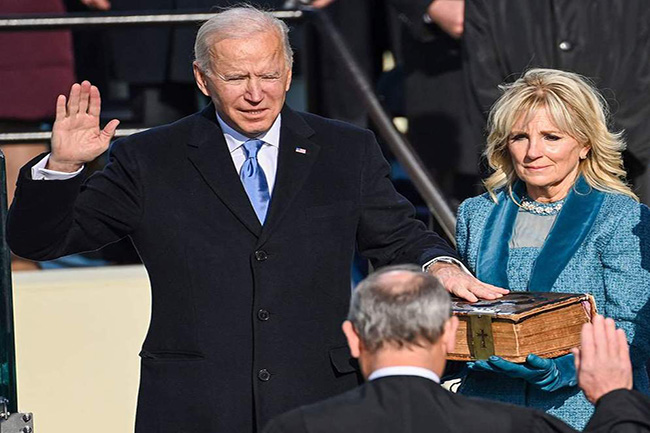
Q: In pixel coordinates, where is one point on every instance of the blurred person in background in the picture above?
(607, 41)
(558, 216)
(434, 100)
(35, 67)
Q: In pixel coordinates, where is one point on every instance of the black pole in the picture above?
(7, 346)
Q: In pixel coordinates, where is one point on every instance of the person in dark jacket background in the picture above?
(607, 41)
(434, 100)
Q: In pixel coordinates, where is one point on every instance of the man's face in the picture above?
(247, 81)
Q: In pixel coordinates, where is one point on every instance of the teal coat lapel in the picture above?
(569, 231)
(493, 253)
(572, 225)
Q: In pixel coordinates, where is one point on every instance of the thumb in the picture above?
(109, 130)
(539, 363)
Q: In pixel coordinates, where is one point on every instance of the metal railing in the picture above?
(75, 21)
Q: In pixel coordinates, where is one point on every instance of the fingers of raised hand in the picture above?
(95, 102)
(587, 345)
(109, 130)
(622, 346)
(576, 358)
(60, 107)
(84, 96)
(73, 99)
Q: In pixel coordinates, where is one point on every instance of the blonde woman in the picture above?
(559, 217)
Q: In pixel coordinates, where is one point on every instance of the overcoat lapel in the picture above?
(295, 160)
(209, 153)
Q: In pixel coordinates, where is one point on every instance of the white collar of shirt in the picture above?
(267, 157)
(404, 370)
(235, 139)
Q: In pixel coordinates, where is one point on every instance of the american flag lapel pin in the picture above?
(301, 150)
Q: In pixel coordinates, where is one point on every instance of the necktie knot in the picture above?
(251, 147)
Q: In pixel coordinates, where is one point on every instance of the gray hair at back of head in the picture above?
(399, 311)
(238, 23)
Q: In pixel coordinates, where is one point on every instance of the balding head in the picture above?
(399, 306)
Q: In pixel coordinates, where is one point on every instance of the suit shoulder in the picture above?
(157, 136)
(619, 203)
(325, 125)
(298, 420)
(479, 204)
(505, 416)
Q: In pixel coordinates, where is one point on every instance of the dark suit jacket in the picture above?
(410, 404)
(245, 319)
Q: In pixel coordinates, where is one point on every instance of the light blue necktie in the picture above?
(254, 180)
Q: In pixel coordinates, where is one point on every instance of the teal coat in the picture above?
(599, 244)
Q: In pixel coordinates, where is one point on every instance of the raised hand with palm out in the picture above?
(76, 136)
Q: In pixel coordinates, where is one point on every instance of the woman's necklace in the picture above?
(538, 208)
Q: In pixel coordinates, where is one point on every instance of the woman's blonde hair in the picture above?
(576, 108)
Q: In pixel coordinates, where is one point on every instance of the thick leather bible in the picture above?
(546, 324)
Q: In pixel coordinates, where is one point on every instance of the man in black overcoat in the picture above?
(400, 327)
(246, 217)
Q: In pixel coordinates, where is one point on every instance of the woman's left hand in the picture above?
(547, 374)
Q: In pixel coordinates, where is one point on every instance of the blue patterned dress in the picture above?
(599, 244)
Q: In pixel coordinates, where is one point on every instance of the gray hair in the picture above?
(407, 309)
(238, 23)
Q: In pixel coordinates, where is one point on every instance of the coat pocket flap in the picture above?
(169, 355)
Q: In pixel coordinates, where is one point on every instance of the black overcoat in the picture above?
(245, 319)
(411, 404)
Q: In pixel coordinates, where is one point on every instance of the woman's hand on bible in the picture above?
(546, 374)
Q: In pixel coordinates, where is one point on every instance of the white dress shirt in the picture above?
(404, 370)
(267, 156)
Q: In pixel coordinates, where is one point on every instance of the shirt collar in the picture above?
(235, 139)
(404, 370)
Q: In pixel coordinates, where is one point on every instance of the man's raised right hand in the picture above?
(76, 137)
(603, 360)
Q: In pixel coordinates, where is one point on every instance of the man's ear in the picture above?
(289, 77)
(353, 338)
(449, 334)
(199, 77)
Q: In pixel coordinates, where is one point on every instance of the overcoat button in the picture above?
(263, 315)
(264, 375)
(261, 255)
(566, 46)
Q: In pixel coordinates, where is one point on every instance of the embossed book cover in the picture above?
(546, 324)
